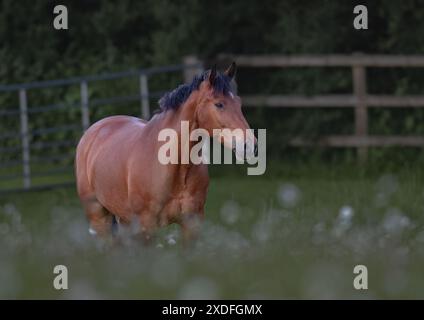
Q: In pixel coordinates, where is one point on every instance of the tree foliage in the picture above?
(106, 36)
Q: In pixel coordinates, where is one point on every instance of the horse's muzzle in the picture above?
(249, 152)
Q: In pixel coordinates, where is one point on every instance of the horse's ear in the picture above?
(231, 71)
(212, 75)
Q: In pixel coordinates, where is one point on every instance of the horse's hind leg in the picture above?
(102, 222)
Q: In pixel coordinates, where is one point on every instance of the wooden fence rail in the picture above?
(359, 100)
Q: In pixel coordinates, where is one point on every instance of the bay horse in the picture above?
(119, 178)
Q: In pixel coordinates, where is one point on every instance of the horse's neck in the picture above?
(172, 119)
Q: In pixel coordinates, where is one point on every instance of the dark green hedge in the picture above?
(107, 36)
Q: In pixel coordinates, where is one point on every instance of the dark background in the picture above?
(108, 36)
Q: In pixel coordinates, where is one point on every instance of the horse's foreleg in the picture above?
(190, 227)
(148, 227)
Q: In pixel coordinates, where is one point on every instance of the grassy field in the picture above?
(296, 232)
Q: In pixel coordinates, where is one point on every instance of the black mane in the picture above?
(173, 99)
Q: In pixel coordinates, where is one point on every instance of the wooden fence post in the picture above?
(25, 138)
(85, 116)
(192, 67)
(361, 113)
(144, 97)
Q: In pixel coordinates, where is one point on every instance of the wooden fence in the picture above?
(20, 168)
(360, 100)
(18, 172)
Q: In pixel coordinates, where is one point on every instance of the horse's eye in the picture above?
(219, 105)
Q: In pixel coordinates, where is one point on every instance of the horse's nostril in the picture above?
(256, 150)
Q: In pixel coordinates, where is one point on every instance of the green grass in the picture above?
(280, 235)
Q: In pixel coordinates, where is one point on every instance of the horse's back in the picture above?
(108, 129)
(111, 125)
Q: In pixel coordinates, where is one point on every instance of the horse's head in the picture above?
(219, 112)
